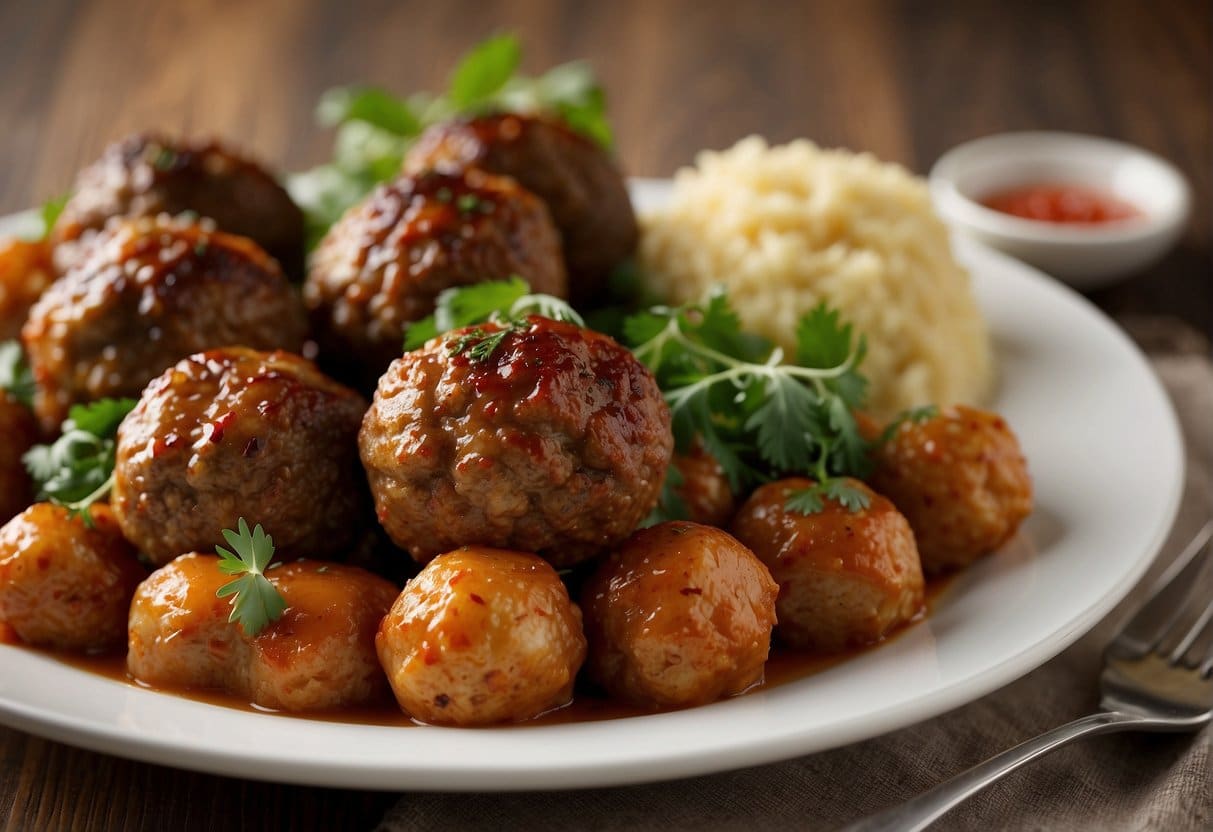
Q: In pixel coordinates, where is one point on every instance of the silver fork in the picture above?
(1157, 676)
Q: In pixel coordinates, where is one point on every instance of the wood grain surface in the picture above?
(905, 80)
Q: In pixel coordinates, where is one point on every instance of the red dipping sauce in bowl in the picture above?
(1062, 203)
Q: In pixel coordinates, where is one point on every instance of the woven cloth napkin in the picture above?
(1132, 781)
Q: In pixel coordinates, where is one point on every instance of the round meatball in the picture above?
(705, 491)
(145, 174)
(382, 265)
(66, 584)
(681, 615)
(482, 636)
(320, 654)
(18, 433)
(237, 433)
(961, 480)
(151, 292)
(845, 577)
(556, 442)
(577, 178)
(25, 273)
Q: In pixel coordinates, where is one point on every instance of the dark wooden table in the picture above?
(904, 80)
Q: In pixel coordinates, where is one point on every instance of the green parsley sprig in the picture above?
(16, 378)
(255, 601)
(77, 469)
(376, 128)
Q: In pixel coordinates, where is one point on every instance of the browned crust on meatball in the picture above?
(382, 265)
(149, 293)
(18, 433)
(319, 655)
(65, 584)
(147, 174)
(238, 433)
(482, 636)
(681, 615)
(578, 180)
(846, 578)
(25, 273)
(961, 480)
(556, 443)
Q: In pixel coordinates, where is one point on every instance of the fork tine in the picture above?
(1167, 601)
(1191, 649)
(1192, 614)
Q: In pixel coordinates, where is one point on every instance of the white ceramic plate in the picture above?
(1106, 456)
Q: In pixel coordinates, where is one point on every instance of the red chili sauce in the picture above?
(1061, 202)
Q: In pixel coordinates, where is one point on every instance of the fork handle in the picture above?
(921, 811)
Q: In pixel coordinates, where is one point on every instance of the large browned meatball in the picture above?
(382, 265)
(681, 615)
(482, 636)
(145, 174)
(149, 293)
(961, 480)
(64, 583)
(320, 654)
(237, 433)
(18, 432)
(845, 577)
(578, 180)
(705, 491)
(25, 273)
(556, 442)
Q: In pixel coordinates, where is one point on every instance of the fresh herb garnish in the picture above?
(670, 505)
(16, 378)
(255, 601)
(479, 344)
(759, 417)
(914, 416)
(376, 128)
(50, 211)
(77, 469)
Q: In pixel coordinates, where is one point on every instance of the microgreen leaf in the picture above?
(484, 71)
(15, 376)
(255, 601)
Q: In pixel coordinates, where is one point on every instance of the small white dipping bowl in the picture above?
(1085, 256)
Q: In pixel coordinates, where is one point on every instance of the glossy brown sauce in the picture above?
(783, 666)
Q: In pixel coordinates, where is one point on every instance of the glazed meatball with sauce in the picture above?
(705, 491)
(237, 433)
(25, 273)
(150, 292)
(320, 654)
(578, 180)
(382, 265)
(556, 442)
(482, 636)
(146, 174)
(681, 615)
(65, 584)
(961, 480)
(18, 433)
(846, 578)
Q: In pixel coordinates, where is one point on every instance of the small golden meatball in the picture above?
(482, 636)
(25, 273)
(18, 432)
(705, 490)
(681, 615)
(63, 584)
(845, 577)
(961, 480)
(320, 654)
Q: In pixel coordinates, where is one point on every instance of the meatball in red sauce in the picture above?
(705, 491)
(961, 480)
(556, 442)
(237, 433)
(846, 578)
(150, 292)
(680, 615)
(577, 178)
(383, 264)
(18, 433)
(146, 174)
(64, 583)
(25, 273)
(482, 636)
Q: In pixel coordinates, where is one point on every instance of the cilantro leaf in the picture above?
(462, 306)
(484, 71)
(812, 500)
(372, 105)
(50, 211)
(16, 378)
(255, 601)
